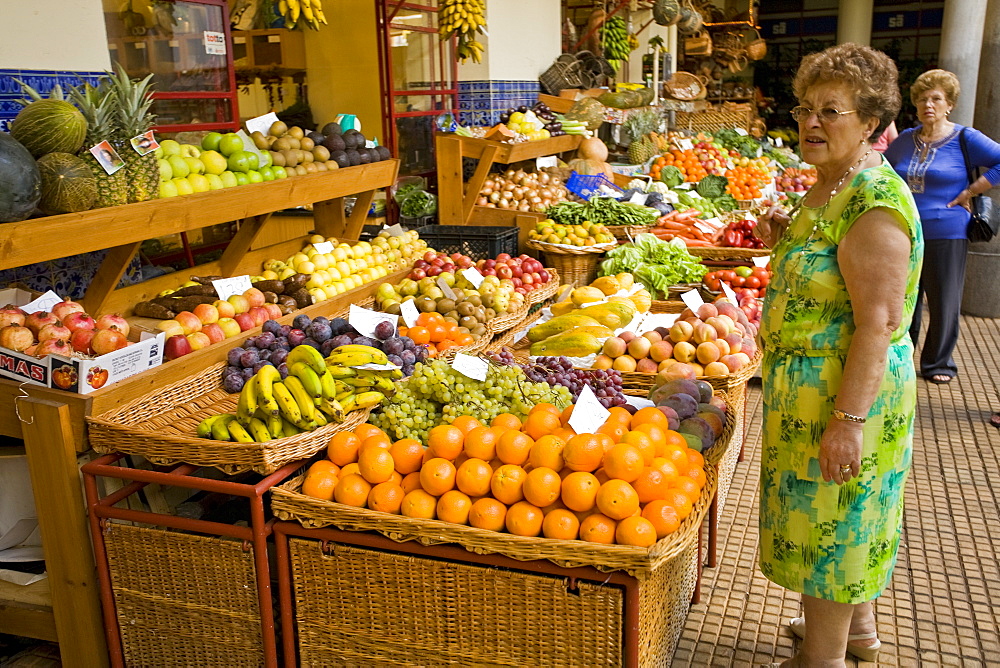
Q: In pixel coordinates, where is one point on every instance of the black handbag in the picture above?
(985, 218)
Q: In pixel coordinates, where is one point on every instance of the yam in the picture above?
(274, 286)
(152, 310)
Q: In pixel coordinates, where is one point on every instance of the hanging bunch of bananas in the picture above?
(615, 38)
(463, 18)
(302, 13)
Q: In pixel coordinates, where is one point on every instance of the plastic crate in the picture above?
(587, 186)
(472, 240)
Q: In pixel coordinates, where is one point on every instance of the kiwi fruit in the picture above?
(301, 170)
(306, 144)
(478, 331)
(467, 321)
(277, 158)
(294, 143)
(321, 153)
(465, 308)
(282, 144)
(259, 140)
(445, 305)
(291, 157)
(475, 300)
(393, 309)
(277, 129)
(296, 131)
(332, 164)
(307, 157)
(320, 166)
(426, 305)
(490, 314)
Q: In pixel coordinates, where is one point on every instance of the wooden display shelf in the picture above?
(456, 200)
(27, 611)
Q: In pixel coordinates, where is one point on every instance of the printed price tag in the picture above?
(262, 124)
(409, 312)
(323, 247)
(728, 291)
(638, 198)
(43, 303)
(215, 43)
(692, 299)
(365, 320)
(395, 230)
(761, 260)
(588, 414)
(470, 367)
(473, 276)
(227, 287)
(445, 288)
(546, 161)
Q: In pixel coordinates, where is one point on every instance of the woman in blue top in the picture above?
(929, 157)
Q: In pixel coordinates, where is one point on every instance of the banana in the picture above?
(309, 355)
(239, 432)
(341, 372)
(385, 386)
(272, 422)
(259, 431)
(309, 378)
(328, 385)
(283, 7)
(320, 419)
(288, 429)
(220, 428)
(205, 428)
(295, 8)
(265, 378)
(332, 409)
(344, 395)
(305, 402)
(340, 387)
(307, 10)
(248, 402)
(356, 357)
(361, 382)
(286, 402)
(362, 400)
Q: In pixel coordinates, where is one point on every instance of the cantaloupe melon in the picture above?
(68, 184)
(49, 126)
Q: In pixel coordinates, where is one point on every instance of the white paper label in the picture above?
(546, 161)
(365, 320)
(215, 43)
(377, 367)
(638, 198)
(249, 146)
(323, 247)
(692, 299)
(237, 285)
(43, 303)
(778, 142)
(728, 291)
(473, 276)
(654, 320)
(741, 132)
(274, 39)
(686, 145)
(445, 288)
(588, 414)
(761, 260)
(704, 226)
(638, 402)
(633, 325)
(470, 367)
(262, 124)
(409, 312)
(395, 230)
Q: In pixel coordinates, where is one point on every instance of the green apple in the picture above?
(241, 178)
(195, 165)
(254, 176)
(214, 182)
(190, 151)
(267, 173)
(170, 147)
(265, 159)
(210, 142)
(198, 182)
(239, 161)
(183, 186)
(168, 189)
(253, 160)
(179, 166)
(166, 173)
(279, 172)
(215, 162)
(228, 179)
(158, 153)
(230, 143)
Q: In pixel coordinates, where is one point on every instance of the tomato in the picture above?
(739, 282)
(752, 282)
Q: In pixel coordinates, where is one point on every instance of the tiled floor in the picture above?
(941, 608)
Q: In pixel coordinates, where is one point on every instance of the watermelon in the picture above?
(68, 184)
(49, 126)
(20, 182)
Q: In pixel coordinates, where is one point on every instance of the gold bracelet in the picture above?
(847, 417)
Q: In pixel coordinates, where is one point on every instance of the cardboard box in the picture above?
(77, 375)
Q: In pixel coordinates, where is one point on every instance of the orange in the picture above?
(579, 491)
(677, 456)
(544, 407)
(454, 507)
(395, 478)
(644, 443)
(425, 319)
(437, 476)
(598, 528)
(365, 430)
(411, 481)
(688, 486)
(466, 423)
(513, 447)
(541, 423)
(350, 469)
(524, 519)
(473, 477)
(542, 487)
(666, 467)
(656, 433)
(419, 334)
(561, 524)
(617, 499)
(352, 490)
(407, 454)
(507, 483)
(674, 438)
(636, 531)
(321, 479)
(506, 420)
(623, 462)
(487, 513)
(602, 475)
(565, 415)
(547, 452)
(619, 414)
(695, 458)
(375, 465)
(438, 332)
(446, 441)
(564, 433)
(650, 415)
(697, 474)
(419, 504)
(343, 448)
(680, 501)
(614, 430)
(481, 443)
(386, 497)
(377, 441)
(651, 484)
(663, 516)
(584, 452)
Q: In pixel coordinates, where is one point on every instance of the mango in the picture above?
(560, 324)
(569, 344)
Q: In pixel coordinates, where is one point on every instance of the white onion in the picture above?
(488, 183)
(544, 178)
(481, 201)
(494, 196)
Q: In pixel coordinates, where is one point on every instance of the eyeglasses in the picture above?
(826, 114)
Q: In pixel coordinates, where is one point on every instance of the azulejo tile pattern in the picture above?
(481, 102)
(68, 276)
(41, 80)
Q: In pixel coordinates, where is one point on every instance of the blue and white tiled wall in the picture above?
(482, 102)
(68, 276)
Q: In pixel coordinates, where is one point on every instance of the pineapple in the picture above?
(132, 102)
(97, 105)
(641, 128)
(641, 150)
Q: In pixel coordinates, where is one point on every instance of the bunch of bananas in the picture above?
(358, 385)
(310, 11)
(615, 37)
(463, 18)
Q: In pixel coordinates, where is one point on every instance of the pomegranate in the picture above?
(80, 340)
(78, 320)
(63, 309)
(108, 340)
(113, 321)
(16, 337)
(11, 315)
(56, 331)
(35, 321)
(53, 347)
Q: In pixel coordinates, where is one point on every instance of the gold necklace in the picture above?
(833, 193)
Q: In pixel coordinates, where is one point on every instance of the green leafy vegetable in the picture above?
(671, 176)
(725, 203)
(655, 263)
(712, 186)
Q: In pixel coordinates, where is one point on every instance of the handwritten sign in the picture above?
(761, 261)
(470, 367)
(43, 303)
(445, 288)
(588, 414)
(473, 276)
(692, 299)
(262, 124)
(365, 320)
(227, 287)
(323, 247)
(409, 312)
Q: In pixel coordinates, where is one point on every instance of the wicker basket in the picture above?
(639, 384)
(479, 345)
(756, 48)
(575, 266)
(161, 427)
(547, 291)
(712, 121)
(727, 253)
(686, 86)
(725, 456)
(183, 599)
(626, 233)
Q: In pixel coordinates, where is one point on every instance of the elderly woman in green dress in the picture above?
(838, 376)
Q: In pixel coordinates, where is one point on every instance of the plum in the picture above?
(301, 321)
(339, 326)
(249, 358)
(272, 327)
(341, 340)
(384, 330)
(327, 346)
(265, 340)
(296, 337)
(319, 331)
(233, 356)
(683, 404)
(233, 382)
(278, 356)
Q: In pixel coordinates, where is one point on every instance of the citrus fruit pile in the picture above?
(631, 483)
(436, 334)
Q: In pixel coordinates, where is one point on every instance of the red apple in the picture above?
(16, 337)
(273, 311)
(11, 315)
(80, 340)
(78, 320)
(259, 315)
(254, 297)
(35, 321)
(417, 274)
(488, 271)
(245, 321)
(189, 321)
(455, 257)
(433, 271)
(107, 341)
(429, 256)
(113, 321)
(207, 313)
(176, 346)
(503, 257)
(503, 271)
(54, 331)
(527, 279)
(240, 303)
(198, 340)
(63, 309)
(213, 332)
(229, 327)
(544, 276)
(53, 347)
(224, 308)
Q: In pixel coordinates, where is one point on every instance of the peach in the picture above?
(198, 340)
(681, 331)
(686, 313)
(684, 352)
(716, 369)
(735, 342)
(170, 327)
(225, 308)
(732, 362)
(603, 362)
(722, 346)
(639, 347)
(229, 327)
(646, 365)
(240, 303)
(653, 336)
(706, 311)
(729, 309)
(743, 357)
(189, 321)
(697, 368)
(723, 327)
(707, 352)
(704, 332)
(624, 363)
(614, 346)
(660, 351)
(626, 336)
(676, 372)
(207, 313)
(254, 297)
(214, 332)
(666, 364)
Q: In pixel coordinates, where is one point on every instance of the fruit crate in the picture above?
(472, 240)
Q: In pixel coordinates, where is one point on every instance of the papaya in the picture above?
(643, 302)
(600, 331)
(607, 284)
(569, 344)
(562, 308)
(586, 295)
(611, 314)
(559, 324)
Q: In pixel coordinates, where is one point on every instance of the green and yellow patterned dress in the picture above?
(818, 538)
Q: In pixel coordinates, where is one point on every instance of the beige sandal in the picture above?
(869, 653)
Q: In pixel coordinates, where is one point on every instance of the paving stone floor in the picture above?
(941, 608)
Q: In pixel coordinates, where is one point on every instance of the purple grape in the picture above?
(233, 356)
(285, 329)
(248, 373)
(272, 327)
(326, 347)
(265, 354)
(249, 358)
(341, 340)
(296, 337)
(319, 331)
(301, 321)
(384, 330)
(278, 356)
(265, 340)
(233, 383)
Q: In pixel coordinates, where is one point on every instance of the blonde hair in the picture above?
(940, 79)
(870, 73)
